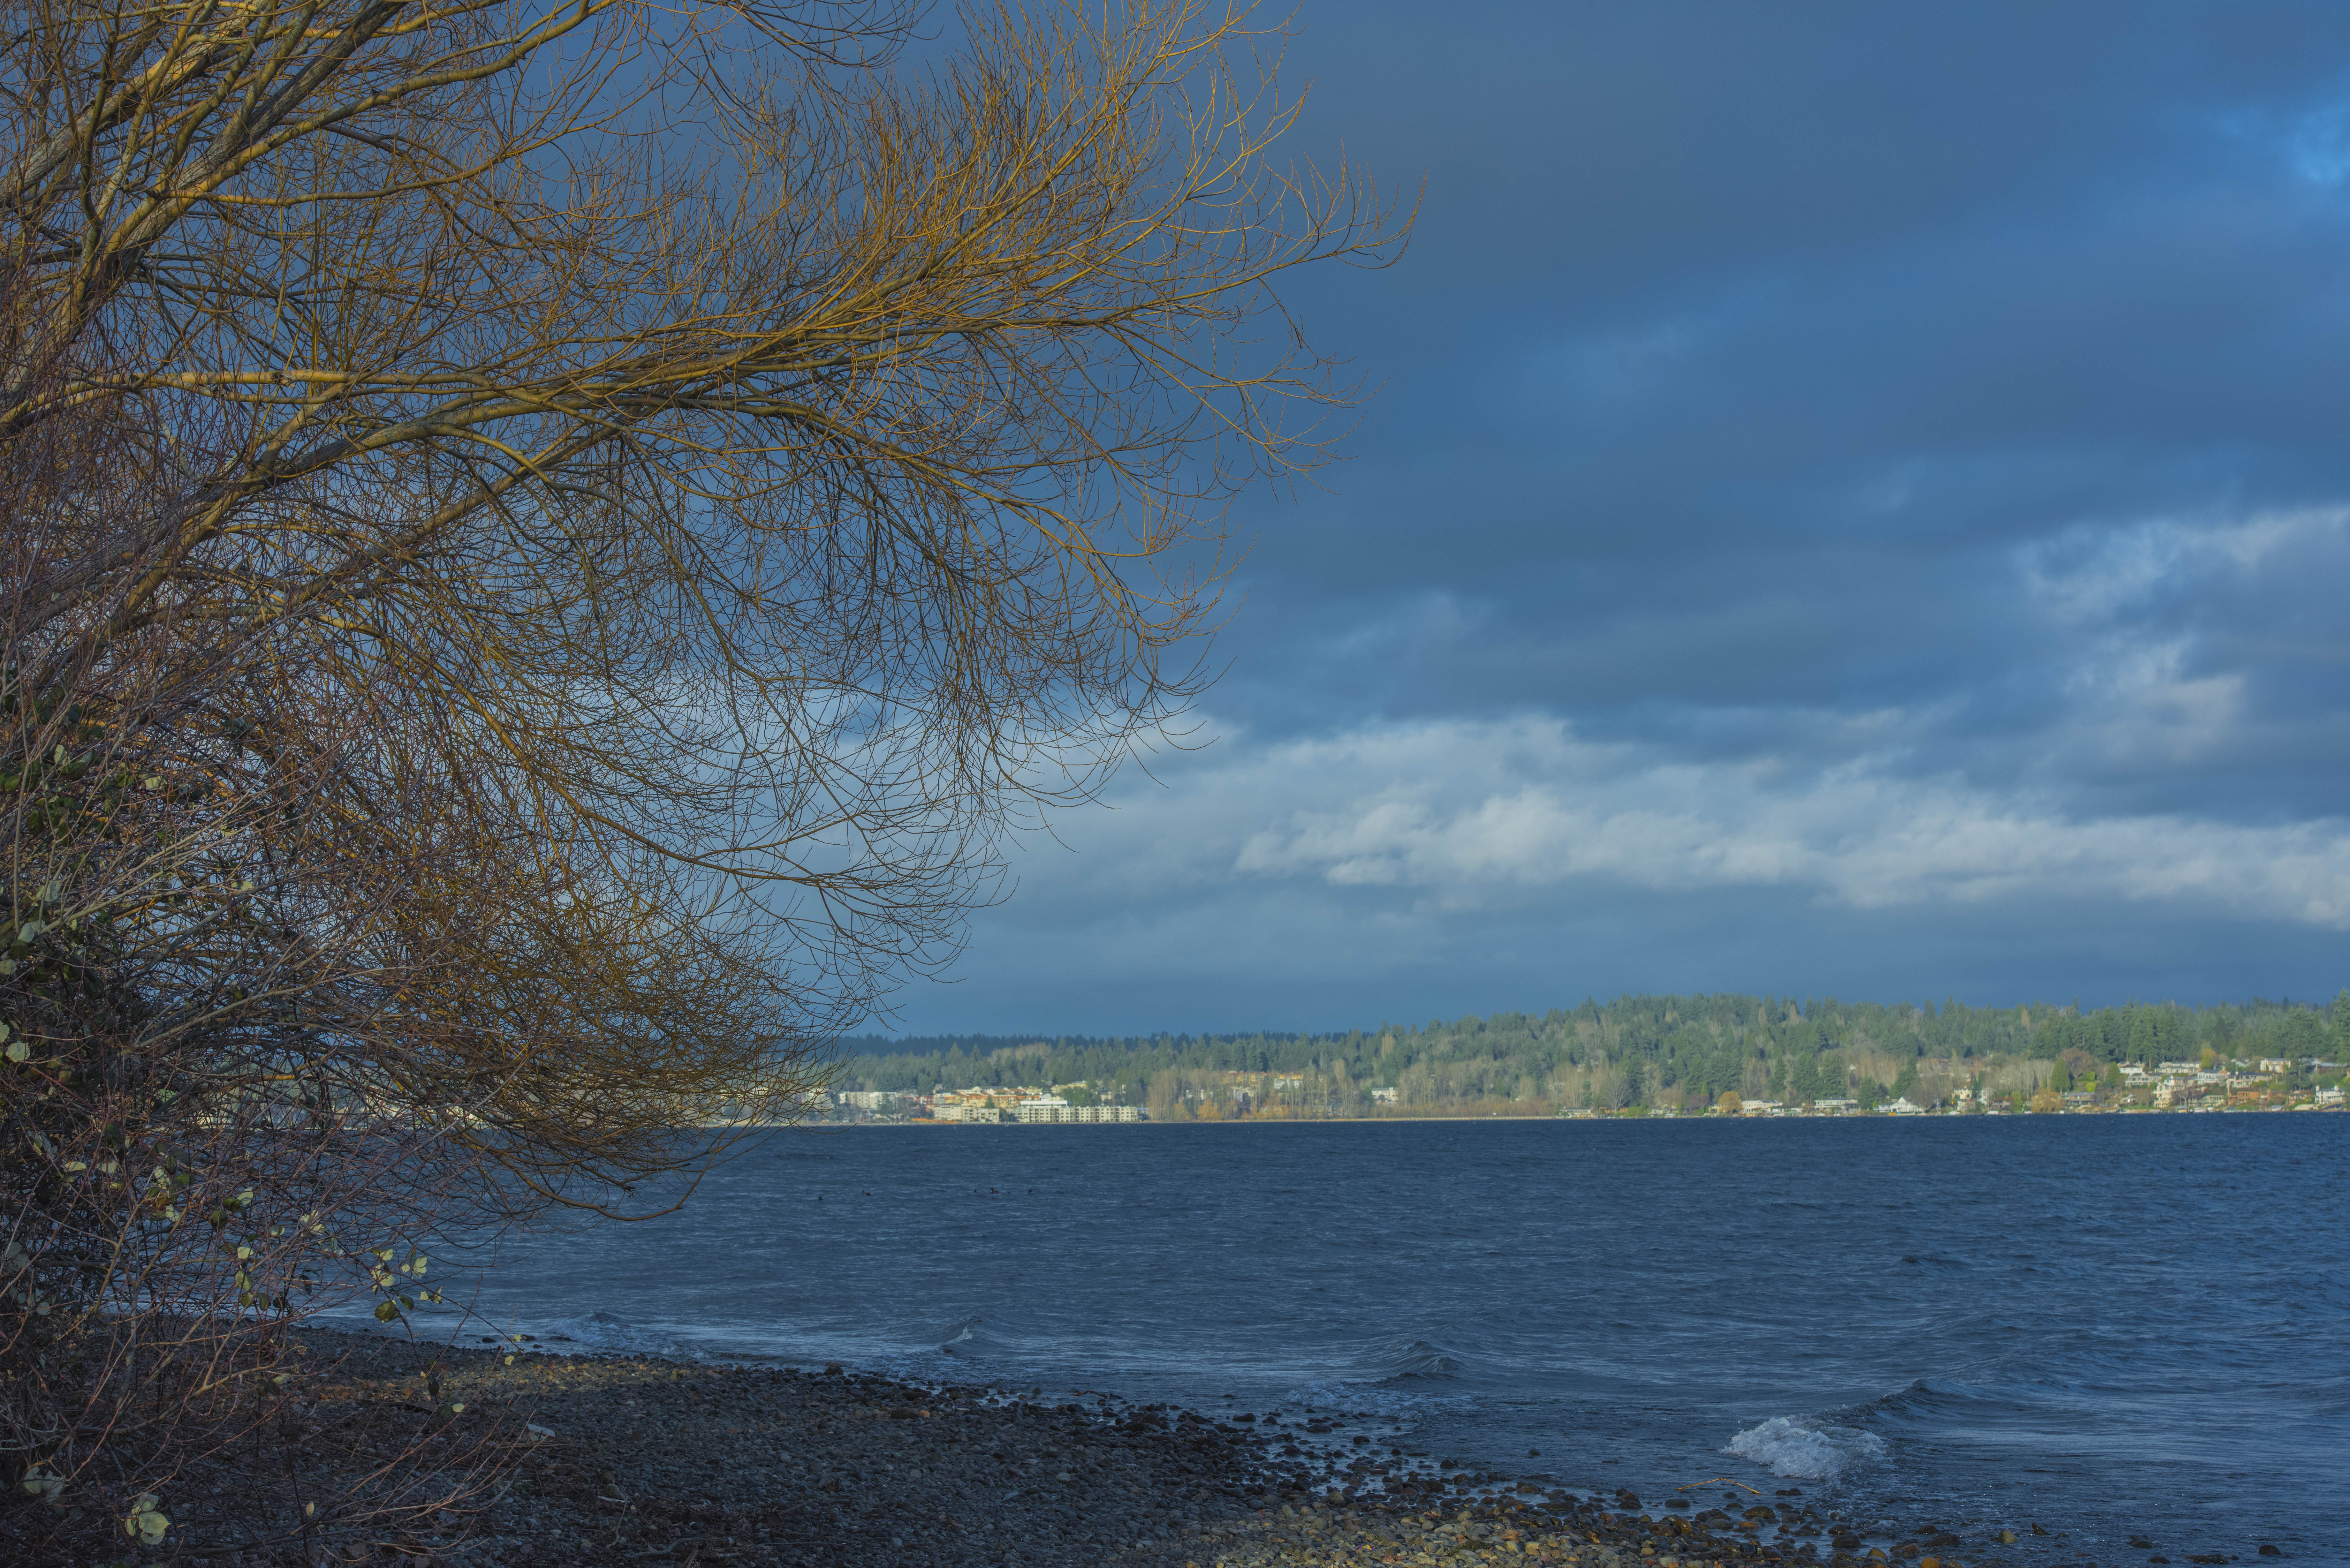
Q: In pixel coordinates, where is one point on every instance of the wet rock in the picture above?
(769, 1468)
(2269, 1549)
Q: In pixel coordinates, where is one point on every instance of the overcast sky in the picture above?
(1858, 502)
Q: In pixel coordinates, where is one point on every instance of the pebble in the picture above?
(632, 1460)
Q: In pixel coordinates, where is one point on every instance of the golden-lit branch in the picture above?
(592, 517)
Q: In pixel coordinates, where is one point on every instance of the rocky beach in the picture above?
(633, 1460)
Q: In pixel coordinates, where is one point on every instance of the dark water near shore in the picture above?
(2112, 1326)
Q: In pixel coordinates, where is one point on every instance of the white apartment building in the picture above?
(866, 1099)
(1052, 1108)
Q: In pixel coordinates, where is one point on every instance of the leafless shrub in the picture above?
(544, 544)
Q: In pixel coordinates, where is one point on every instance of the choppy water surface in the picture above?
(2116, 1327)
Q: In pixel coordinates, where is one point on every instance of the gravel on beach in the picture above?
(634, 1459)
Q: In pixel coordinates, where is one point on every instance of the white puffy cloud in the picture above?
(1467, 814)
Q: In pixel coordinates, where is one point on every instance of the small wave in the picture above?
(966, 1335)
(1376, 1399)
(610, 1332)
(1800, 1451)
(1417, 1359)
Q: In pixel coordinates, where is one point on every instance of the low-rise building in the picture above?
(1052, 1108)
(1386, 1097)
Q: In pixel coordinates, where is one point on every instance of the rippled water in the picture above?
(2111, 1325)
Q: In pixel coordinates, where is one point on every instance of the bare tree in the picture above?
(546, 543)
(194, 1004)
(747, 481)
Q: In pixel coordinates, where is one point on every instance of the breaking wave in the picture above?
(1798, 1450)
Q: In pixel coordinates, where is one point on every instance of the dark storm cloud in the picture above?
(1948, 404)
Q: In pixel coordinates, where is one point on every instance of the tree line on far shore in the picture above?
(1660, 1051)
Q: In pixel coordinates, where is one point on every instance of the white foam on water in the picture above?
(1796, 1450)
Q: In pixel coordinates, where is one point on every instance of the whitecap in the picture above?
(1796, 1450)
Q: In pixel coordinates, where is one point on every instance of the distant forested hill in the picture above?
(1635, 1049)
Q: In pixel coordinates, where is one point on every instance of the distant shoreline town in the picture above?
(2179, 1087)
(1720, 1054)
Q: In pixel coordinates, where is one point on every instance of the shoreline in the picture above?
(634, 1459)
(1562, 1116)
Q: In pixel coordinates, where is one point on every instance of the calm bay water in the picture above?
(2111, 1325)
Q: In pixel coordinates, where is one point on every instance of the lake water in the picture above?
(2114, 1326)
